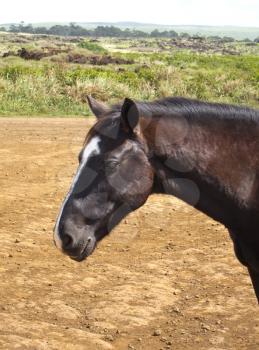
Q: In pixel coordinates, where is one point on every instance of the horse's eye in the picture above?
(89, 221)
(111, 163)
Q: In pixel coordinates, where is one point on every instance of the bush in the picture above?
(93, 47)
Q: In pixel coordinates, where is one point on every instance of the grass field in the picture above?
(53, 75)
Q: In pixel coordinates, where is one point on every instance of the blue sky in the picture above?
(204, 12)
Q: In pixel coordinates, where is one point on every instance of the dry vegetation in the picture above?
(47, 75)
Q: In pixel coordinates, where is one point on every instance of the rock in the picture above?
(176, 310)
(131, 347)
(157, 332)
(109, 337)
(205, 327)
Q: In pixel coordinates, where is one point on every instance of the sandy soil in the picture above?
(166, 278)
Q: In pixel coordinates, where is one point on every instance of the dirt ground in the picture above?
(166, 278)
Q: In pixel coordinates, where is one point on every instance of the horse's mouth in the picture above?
(88, 250)
(90, 246)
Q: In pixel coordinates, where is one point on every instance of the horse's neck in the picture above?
(200, 164)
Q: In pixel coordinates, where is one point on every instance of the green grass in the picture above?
(35, 88)
(91, 46)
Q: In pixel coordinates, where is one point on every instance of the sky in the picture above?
(173, 12)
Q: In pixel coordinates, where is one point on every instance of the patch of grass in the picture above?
(93, 47)
(52, 88)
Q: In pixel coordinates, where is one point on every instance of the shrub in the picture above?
(93, 47)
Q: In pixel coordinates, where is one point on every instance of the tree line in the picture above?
(103, 31)
(75, 30)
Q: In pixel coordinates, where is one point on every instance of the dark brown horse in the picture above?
(205, 154)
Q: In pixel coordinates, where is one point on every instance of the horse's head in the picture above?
(114, 177)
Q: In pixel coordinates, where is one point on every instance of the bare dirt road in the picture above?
(166, 278)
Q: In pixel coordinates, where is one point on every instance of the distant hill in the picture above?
(235, 32)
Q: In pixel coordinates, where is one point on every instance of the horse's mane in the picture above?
(190, 108)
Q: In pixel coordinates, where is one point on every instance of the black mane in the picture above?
(192, 108)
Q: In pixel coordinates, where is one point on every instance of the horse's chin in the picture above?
(90, 247)
(88, 250)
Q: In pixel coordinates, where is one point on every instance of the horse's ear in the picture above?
(130, 115)
(98, 108)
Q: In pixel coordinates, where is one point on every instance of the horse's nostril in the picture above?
(67, 241)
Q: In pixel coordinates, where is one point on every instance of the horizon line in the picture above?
(137, 23)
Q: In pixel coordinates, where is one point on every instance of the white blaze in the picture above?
(91, 148)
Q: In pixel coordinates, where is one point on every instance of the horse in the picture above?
(206, 154)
